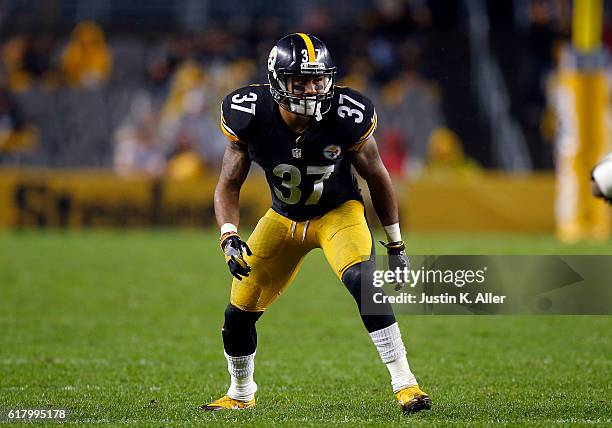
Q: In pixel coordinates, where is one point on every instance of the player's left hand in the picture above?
(234, 249)
(397, 258)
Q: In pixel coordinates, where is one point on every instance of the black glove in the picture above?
(397, 258)
(234, 248)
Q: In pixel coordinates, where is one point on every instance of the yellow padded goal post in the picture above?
(583, 137)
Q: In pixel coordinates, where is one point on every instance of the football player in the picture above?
(306, 133)
(601, 179)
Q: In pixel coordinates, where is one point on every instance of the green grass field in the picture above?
(124, 327)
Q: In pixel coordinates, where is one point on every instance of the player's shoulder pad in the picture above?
(355, 116)
(238, 110)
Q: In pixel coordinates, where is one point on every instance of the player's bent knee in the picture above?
(239, 333)
(354, 276)
(359, 281)
(237, 317)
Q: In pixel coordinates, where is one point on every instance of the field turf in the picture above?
(124, 328)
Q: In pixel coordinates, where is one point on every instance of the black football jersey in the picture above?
(309, 174)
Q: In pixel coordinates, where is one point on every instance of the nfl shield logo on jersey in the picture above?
(331, 152)
(297, 153)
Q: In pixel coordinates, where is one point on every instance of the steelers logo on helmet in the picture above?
(301, 75)
(332, 152)
(272, 60)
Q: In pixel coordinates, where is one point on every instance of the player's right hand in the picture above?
(234, 249)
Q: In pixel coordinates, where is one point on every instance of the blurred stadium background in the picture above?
(109, 110)
(491, 114)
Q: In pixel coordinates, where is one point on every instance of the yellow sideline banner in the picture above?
(89, 198)
(82, 199)
(491, 203)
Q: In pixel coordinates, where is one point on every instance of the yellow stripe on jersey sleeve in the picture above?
(231, 135)
(357, 147)
(371, 129)
(364, 138)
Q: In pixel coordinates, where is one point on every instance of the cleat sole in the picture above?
(416, 405)
(207, 408)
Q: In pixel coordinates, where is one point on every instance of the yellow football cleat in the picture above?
(227, 403)
(413, 400)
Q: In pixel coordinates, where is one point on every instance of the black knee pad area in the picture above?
(359, 280)
(239, 333)
(355, 275)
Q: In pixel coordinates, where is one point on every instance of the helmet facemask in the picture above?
(289, 90)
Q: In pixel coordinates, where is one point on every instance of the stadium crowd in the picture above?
(150, 107)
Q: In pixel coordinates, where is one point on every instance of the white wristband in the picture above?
(393, 232)
(228, 227)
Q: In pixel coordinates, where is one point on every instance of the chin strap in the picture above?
(318, 115)
(295, 108)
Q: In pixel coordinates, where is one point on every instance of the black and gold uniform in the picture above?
(316, 204)
(309, 173)
(316, 198)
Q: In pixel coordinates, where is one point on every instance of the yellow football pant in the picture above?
(279, 245)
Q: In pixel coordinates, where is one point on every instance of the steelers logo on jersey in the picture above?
(331, 152)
